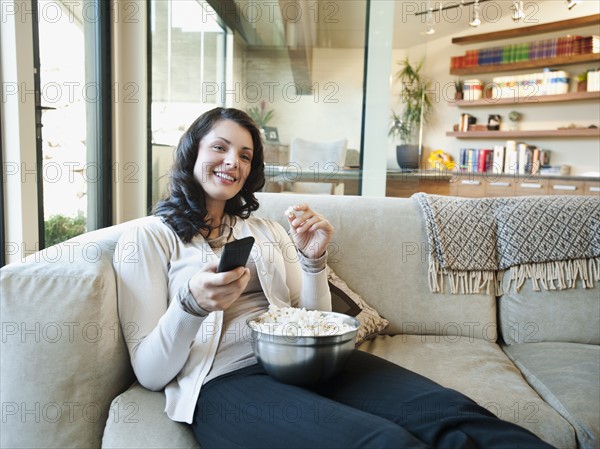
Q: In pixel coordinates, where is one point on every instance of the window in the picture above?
(73, 113)
(298, 60)
(188, 70)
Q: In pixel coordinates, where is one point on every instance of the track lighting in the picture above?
(430, 29)
(476, 21)
(518, 12)
(572, 3)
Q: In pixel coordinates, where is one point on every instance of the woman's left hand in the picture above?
(310, 231)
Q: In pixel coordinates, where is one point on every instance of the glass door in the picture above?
(188, 46)
(72, 117)
(2, 234)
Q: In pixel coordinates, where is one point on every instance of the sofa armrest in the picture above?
(63, 354)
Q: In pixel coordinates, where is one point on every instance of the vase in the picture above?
(407, 156)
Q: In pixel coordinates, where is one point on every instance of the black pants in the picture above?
(372, 403)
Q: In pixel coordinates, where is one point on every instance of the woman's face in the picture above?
(223, 162)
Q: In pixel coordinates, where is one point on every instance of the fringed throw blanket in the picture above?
(552, 240)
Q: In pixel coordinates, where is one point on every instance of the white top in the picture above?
(170, 348)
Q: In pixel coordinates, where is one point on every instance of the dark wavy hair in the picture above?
(184, 210)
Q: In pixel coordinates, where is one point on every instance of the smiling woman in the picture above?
(218, 165)
(223, 165)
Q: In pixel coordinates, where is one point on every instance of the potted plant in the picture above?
(418, 106)
(260, 115)
(459, 87)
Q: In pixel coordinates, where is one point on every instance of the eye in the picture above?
(219, 147)
(246, 157)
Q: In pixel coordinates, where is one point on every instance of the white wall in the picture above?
(331, 112)
(20, 200)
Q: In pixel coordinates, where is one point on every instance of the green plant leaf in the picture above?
(59, 228)
(416, 97)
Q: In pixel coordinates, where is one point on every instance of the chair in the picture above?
(319, 159)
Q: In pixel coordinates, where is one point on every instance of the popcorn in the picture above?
(291, 213)
(295, 322)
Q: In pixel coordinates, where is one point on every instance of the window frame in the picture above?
(101, 118)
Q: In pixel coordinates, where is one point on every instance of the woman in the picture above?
(191, 338)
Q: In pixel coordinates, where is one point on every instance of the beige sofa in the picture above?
(531, 358)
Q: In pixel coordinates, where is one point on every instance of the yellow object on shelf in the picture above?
(438, 159)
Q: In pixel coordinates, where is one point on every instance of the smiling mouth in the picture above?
(225, 176)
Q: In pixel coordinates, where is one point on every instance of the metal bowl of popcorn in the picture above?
(302, 347)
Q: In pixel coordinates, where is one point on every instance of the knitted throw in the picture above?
(552, 240)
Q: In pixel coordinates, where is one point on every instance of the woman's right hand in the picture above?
(217, 291)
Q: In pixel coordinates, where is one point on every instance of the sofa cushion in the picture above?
(137, 419)
(63, 358)
(390, 273)
(483, 372)
(345, 300)
(569, 315)
(566, 376)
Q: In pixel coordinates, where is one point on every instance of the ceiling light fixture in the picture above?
(518, 12)
(476, 21)
(451, 5)
(430, 30)
(572, 3)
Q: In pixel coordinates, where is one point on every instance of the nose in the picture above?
(232, 159)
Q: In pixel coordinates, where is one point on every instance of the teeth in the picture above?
(225, 176)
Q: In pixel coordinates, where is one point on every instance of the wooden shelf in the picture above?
(527, 100)
(530, 64)
(578, 132)
(530, 30)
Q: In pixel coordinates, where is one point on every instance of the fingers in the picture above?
(217, 291)
(302, 218)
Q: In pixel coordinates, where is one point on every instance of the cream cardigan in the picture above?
(170, 348)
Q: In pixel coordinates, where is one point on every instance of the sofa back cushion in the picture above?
(63, 354)
(569, 315)
(380, 250)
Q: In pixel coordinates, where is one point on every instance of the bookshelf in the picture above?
(560, 25)
(537, 53)
(549, 133)
(531, 64)
(532, 99)
(521, 95)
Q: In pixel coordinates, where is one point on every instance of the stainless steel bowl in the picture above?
(303, 360)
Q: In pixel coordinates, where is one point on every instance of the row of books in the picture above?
(512, 158)
(548, 82)
(540, 49)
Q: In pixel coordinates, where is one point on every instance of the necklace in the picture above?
(222, 238)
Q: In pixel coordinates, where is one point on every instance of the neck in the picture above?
(216, 223)
(215, 211)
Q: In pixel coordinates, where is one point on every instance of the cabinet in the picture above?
(489, 185)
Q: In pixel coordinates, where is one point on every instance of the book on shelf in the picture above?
(524, 159)
(525, 155)
(593, 80)
(511, 158)
(476, 160)
(498, 158)
(547, 82)
(485, 160)
(539, 49)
